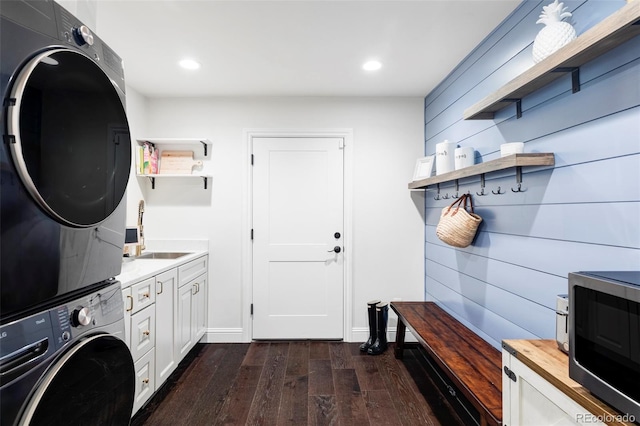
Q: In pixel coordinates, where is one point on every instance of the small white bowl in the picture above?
(511, 148)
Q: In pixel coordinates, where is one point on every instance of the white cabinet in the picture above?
(191, 304)
(143, 331)
(192, 314)
(140, 332)
(185, 320)
(143, 294)
(145, 381)
(201, 148)
(200, 308)
(529, 399)
(166, 288)
(165, 316)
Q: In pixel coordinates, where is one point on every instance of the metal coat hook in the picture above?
(518, 180)
(481, 193)
(437, 197)
(457, 189)
(497, 192)
(446, 196)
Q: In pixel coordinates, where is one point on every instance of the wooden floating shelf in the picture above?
(514, 160)
(152, 178)
(614, 30)
(178, 141)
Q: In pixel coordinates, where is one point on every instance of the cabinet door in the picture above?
(531, 400)
(143, 331)
(200, 307)
(185, 320)
(166, 290)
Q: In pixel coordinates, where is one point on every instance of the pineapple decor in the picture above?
(555, 34)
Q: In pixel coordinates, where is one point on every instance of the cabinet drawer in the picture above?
(143, 331)
(145, 380)
(192, 270)
(143, 293)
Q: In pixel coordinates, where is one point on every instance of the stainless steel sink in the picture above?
(162, 255)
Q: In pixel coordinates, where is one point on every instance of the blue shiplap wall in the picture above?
(583, 214)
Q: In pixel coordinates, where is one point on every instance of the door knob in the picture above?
(336, 249)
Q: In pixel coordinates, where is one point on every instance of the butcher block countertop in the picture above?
(544, 357)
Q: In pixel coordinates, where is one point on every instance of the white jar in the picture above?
(511, 148)
(445, 157)
(464, 157)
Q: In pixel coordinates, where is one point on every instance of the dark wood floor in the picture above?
(295, 383)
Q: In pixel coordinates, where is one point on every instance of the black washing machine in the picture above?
(68, 365)
(64, 160)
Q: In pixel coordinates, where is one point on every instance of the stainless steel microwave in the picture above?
(604, 336)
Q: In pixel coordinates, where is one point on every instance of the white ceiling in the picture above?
(294, 47)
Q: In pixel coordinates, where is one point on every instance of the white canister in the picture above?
(511, 148)
(445, 160)
(464, 157)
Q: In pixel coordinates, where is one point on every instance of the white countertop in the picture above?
(137, 270)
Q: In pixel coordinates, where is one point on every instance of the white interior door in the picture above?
(298, 221)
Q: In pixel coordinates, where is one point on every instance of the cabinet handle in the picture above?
(146, 332)
(161, 288)
(145, 381)
(144, 296)
(130, 299)
(510, 374)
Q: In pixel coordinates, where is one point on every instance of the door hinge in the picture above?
(252, 234)
(510, 374)
(341, 144)
(252, 309)
(252, 159)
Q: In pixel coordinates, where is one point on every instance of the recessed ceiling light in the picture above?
(189, 64)
(371, 66)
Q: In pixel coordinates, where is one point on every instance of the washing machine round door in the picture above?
(92, 383)
(69, 136)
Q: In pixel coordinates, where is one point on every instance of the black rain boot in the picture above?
(380, 345)
(371, 312)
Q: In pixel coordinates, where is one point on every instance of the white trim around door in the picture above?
(247, 197)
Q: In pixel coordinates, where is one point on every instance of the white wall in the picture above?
(388, 224)
(85, 10)
(137, 106)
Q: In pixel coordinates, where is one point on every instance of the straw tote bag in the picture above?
(457, 226)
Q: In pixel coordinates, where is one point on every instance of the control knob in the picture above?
(83, 35)
(80, 316)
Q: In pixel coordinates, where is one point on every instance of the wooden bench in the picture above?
(471, 364)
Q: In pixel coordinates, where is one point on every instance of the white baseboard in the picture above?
(236, 335)
(223, 335)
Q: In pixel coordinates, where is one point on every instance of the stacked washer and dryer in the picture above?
(64, 166)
